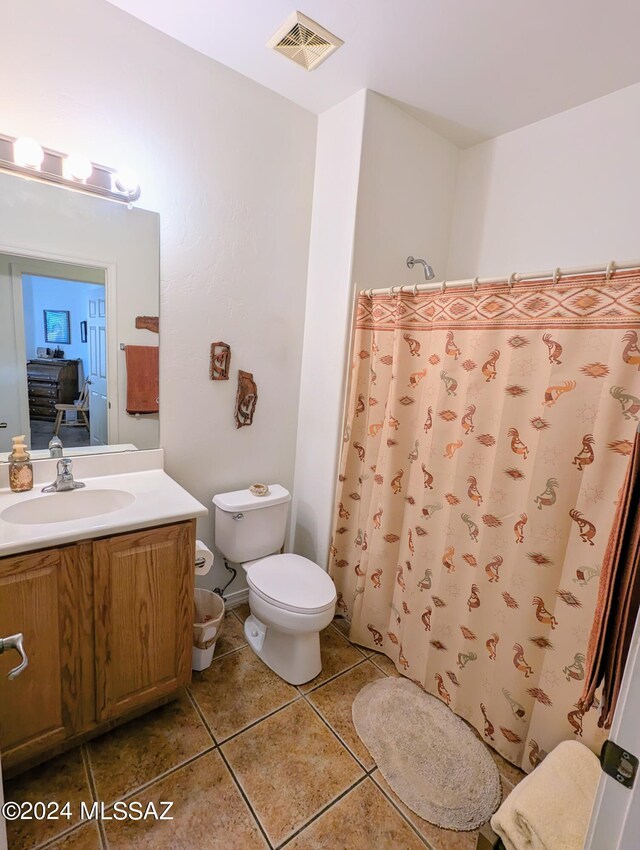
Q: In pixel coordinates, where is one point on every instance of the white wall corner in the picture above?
(384, 188)
(327, 324)
(408, 178)
(560, 192)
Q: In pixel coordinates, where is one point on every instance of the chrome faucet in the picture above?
(55, 447)
(64, 478)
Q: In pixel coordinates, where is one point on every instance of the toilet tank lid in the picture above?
(244, 500)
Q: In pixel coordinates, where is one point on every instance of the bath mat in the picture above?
(428, 755)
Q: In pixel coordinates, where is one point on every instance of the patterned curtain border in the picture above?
(574, 304)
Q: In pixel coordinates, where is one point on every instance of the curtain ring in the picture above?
(443, 287)
(556, 276)
(611, 267)
(415, 290)
(393, 290)
(512, 280)
(474, 284)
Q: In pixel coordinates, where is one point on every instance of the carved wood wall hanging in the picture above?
(220, 361)
(148, 323)
(246, 399)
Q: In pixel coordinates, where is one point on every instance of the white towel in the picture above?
(550, 808)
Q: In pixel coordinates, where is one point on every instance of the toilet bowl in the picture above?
(291, 598)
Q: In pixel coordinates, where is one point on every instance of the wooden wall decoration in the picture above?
(220, 361)
(246, 399)
(148, 323)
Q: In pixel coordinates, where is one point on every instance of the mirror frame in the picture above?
(41, 222)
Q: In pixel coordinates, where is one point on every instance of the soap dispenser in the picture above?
(20, 468)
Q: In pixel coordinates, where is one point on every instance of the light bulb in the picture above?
(77, 167)
(27, 152)
(126, 182)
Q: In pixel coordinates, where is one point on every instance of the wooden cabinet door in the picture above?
(143, 605)
(46, 596)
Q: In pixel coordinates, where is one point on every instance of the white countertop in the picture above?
(78, 451)
(158, 500)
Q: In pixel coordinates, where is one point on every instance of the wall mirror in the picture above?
(76, 272)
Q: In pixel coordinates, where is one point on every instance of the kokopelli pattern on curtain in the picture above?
(487, 438)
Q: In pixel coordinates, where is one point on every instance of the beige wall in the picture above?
(229, 167)
(405, 199)
(384, 189)
(327, 323)
(562, 192)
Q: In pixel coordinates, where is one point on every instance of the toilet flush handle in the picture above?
(238, 516)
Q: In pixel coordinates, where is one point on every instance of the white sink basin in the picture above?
(62, 507)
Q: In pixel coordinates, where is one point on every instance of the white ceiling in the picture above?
(472, 69)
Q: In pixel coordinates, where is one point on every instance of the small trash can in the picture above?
(207, 627)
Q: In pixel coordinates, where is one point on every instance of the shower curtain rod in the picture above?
(555, 274)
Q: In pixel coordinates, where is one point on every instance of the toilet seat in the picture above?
(292, 583)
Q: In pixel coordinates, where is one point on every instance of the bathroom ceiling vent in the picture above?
(304, 41)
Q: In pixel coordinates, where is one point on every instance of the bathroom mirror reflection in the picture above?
(77, 275)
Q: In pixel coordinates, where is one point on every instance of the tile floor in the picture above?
(71, 435)
(250, 763)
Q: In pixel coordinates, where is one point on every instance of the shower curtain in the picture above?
(487, 436)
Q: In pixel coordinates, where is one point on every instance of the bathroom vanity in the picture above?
(104, 602)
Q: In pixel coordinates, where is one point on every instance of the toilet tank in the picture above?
(248, 526)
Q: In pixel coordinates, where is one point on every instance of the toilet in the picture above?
(291, 598)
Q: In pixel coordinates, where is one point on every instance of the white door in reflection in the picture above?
(98, 405)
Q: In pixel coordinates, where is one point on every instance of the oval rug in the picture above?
(428, 755)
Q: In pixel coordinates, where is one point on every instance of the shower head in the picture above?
(429, 273)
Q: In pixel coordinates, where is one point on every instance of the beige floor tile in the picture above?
(138, 752)
(363, 818)
(385, 664)
(506, 786)
(232, 637)
(343, 627)
(335, 699)
(337, 655)
(208, 813)
(365, 650)
(439, 839)
(59, 780)
(242, 611)
(237, 690)
(290, 766)
(85, 838)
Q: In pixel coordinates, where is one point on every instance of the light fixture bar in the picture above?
(102, 181)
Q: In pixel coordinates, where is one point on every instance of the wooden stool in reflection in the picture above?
(81, 406)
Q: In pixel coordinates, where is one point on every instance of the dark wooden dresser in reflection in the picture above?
(51, 382)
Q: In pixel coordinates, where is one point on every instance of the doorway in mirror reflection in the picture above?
(65, 336)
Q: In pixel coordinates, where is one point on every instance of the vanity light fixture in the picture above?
(27, 152)
(127, 182)
(24, 156)
(77, 167)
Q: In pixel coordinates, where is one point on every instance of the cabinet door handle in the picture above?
(15, 642)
